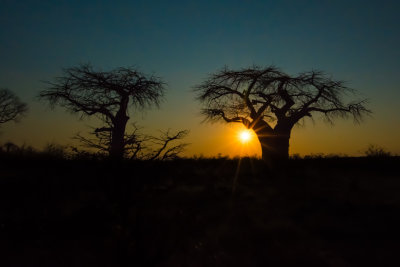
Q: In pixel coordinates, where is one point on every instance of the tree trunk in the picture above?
(275, 147)
(117, 145)
(274, 142)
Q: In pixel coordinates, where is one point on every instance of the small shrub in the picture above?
(376, 151)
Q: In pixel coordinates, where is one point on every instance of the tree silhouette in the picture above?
(271, 102)
(11, 108)
(107, 95)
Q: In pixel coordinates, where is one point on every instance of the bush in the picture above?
(376, 151)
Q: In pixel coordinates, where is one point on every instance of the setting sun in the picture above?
(245, 136)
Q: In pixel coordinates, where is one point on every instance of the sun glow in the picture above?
(225, 140)
(245, 136)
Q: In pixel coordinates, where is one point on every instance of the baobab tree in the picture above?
(107, 95)
(271, 102)
(11, 107)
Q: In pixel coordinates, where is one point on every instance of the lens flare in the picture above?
(245, 136)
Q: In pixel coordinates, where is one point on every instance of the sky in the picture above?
(184, 41)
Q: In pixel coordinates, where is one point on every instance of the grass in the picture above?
(314, 212)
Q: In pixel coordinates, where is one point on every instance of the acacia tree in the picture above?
(107, 95)
(271, 102)
(11, 107)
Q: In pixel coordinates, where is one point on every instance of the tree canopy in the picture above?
(268, 93)
(88, 92)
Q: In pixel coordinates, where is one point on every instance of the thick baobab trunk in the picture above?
(117, 145)
(274, 142)
(275, 147)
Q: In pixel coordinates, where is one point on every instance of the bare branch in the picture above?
(11, 108)
(255, 93)
(219, 113)
(99, 143)
(87, 91)
(136, 145)
(165, 140)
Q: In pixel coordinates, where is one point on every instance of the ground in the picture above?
(311, 212)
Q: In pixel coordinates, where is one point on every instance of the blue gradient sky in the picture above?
(183, 41)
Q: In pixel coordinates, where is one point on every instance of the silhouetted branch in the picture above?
(11, 108)
(82, 89)
(257, 93)
(165, 152)
(136, 145)
(100, 143)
